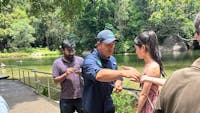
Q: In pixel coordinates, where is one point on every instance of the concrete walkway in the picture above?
(21, 98)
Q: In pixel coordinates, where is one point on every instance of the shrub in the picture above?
(124, 102)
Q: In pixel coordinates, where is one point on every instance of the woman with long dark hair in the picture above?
(146, 46)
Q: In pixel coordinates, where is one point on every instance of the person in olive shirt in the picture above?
(100, 75)
(180, 93)
(66, 71)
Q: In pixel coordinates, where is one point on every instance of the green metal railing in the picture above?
(42, 82)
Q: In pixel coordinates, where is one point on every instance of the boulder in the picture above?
(173, 43)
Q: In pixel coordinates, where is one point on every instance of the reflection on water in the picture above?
(172, 61)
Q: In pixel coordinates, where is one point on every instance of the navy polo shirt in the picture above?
(96, 94)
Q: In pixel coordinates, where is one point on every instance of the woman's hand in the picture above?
(134, 80)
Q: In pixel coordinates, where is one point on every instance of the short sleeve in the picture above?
(55, 71)
(79, 61)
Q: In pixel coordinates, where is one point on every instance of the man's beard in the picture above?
(69, 58)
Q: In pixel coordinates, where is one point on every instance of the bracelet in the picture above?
(144, 94)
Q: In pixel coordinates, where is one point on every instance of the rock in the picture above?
(181, 46)
(173, 44)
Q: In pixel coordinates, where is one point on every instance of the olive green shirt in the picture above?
(181, 92)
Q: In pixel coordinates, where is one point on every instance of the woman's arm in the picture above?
(151, 70)
(158, 81)
(143, 96)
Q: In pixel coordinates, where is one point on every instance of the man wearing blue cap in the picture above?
(100, 75)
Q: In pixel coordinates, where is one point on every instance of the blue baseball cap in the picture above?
(106, 36)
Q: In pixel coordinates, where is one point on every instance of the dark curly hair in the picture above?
(68, 44)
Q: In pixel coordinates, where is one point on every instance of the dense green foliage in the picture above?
(46, 23)
(124, 102)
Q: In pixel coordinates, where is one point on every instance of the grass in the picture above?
(30, 52)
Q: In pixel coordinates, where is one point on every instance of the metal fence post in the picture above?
(12, 73)
(49, 95)
(23, 77)
(36, 81)
(29, 81)
(19, 75)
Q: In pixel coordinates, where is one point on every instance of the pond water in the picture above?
(171, 61)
